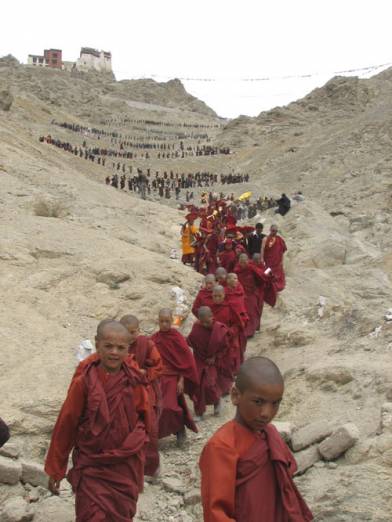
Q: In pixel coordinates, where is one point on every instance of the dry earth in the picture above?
(107, 253)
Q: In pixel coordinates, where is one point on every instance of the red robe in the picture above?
(233, 317)
(275, 247)
(249, 280)
(247, 477)
(203, 298)
(207, 344)
(228, 259)
(178, 362)
(102, 419)
(211, 245)
(149, 359)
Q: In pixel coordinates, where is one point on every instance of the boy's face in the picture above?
(165, 322)
(243, 260)
(207, 321)
(134, 332)
(209, 284)
(257, 405)
(112, 348)
(232, 280)
(218, 296)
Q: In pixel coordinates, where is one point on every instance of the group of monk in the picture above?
(131, 393)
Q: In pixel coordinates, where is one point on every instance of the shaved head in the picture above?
(218, 289)
(258, 371)
(110, 325)
(209, 277)
(221, 272)
(204, 311)
(129, 320)
(165, 312)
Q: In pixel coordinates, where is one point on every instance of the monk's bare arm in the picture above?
(263, 243)
(65, 430)
(218, 465)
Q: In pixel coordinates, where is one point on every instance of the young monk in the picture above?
(251, 280)
(150, 363)
(230, 314)
(228, 258)
(179, 376)
(210, 343)
(272, 251)
(235, 292)
(204, 297)
(246, 467)
(221, 276)
(104, 419)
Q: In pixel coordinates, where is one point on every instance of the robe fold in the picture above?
(211, 349)
(102, 419)
(249, 281)
(227, 260)
(232, 315)
(247, 477)
(149, 359)
(203, 298)
(274, 250)
(178, 362)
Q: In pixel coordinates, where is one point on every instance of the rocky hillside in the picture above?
(73, 251)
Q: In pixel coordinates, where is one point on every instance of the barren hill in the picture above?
(107, 253)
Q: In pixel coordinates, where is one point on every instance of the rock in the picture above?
(10, 450)
(54, 509)
(386, 418)
(111, 278)
(336, 374)
(339, 442)
(285, 429)
(34, 474)
(10, 471)
(173, 484)
(307, 458)
(6, 100)
(16, 510)
(192, 497)
(310, 434)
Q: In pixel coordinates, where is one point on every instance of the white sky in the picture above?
(222, 39)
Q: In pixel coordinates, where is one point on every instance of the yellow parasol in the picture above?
(245, 195)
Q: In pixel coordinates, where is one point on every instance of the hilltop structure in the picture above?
(93, 60)
(51, 58)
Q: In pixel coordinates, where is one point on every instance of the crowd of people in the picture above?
(170, 184)
(160, 123)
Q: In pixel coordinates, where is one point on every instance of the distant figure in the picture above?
(255, 239)
(284, 205)
(272, 252)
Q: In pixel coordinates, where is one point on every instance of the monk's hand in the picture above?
(142, 371)
(54, 486)
(210, 361)
(180, 386)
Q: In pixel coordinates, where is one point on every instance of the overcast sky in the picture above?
(224, 40)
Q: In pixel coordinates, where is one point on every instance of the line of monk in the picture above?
(131, 392)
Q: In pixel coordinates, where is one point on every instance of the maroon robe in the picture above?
(268, 457)
(100, 420)
(275, 247)
(203, 298)
(211, 244)
(228, 259)
(248, 278)
(214, 376)
(178, 362)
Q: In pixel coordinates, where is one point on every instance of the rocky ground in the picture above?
(104, 253)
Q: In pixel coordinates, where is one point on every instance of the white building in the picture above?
(92, 59)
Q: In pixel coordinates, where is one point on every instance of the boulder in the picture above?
(16, 510)
(307, 458)
(34, 474)
(192, 497)
(6, 100)
(285, 429)
(54, 509)
(339, 442)
(10, 450)
(10, 471)
(310, 434)
(386, 417)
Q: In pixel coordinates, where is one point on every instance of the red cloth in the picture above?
(211, 245)
(248, 278)
(211, 349)
(247, 477)
(275, 247)
(227, 259)
(178, 362)
(101, 419)
(232, 315)
(203, 298)
(149, 359)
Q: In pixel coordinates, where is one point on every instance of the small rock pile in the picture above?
(318, 441)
